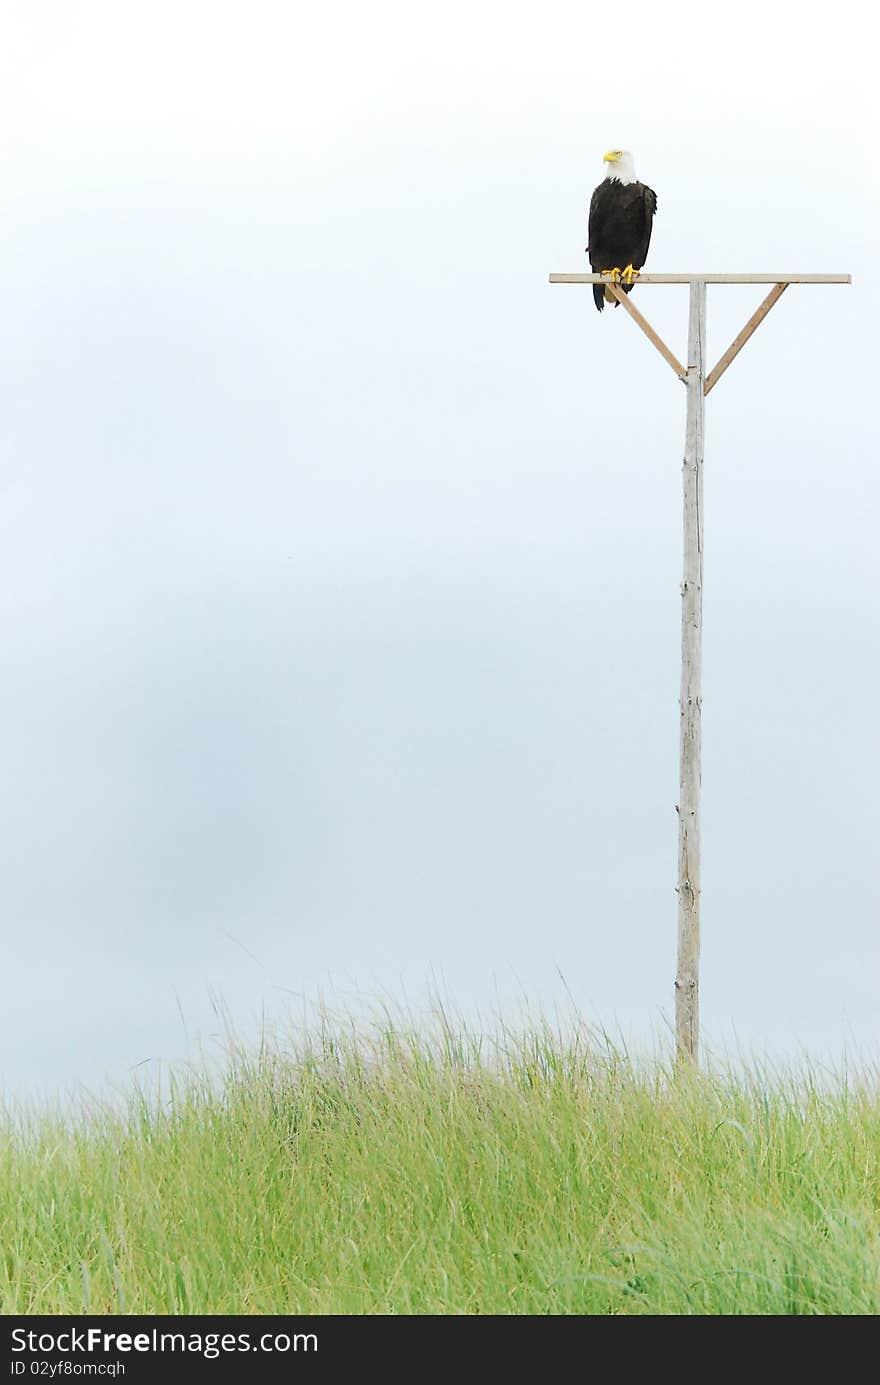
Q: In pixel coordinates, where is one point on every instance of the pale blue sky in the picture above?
(339, 553)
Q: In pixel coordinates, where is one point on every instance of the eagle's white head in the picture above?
(619, 164)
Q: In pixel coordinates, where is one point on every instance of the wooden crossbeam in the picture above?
(739, 342)
(780, 283)
(648, 330)
(709, 279)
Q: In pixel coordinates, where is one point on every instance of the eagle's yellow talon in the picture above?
(629, 275)
(613, 275)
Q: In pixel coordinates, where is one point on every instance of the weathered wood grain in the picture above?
(687, 998)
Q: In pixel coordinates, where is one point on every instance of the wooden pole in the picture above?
(687, 976)
(687, 1011)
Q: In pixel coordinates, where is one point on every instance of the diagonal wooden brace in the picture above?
(648, 330)
(739, 342)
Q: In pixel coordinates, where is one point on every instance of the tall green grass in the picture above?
(400, 1173)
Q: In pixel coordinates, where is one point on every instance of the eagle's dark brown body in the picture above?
(621, 217)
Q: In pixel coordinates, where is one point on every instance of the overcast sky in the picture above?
(340, 553)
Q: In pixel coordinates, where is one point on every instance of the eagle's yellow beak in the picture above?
(611, 157)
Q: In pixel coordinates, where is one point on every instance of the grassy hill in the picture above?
(407, 1174)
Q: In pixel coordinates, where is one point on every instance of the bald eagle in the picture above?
(621, 216)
